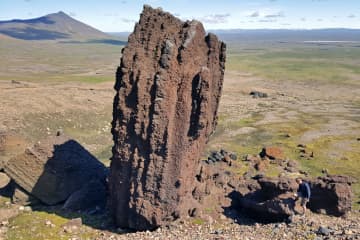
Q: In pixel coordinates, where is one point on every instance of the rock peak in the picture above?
(168, 88)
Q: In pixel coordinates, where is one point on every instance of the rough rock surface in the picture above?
(271, 199)
(168, 90)
(54, 168)
(331, 194)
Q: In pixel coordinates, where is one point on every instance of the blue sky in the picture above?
(120, 15)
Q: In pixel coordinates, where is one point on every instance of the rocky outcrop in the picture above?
(55, 168)
(271, 199)
(168, 89)
(331, 195)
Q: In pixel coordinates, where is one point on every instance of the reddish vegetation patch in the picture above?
(272, 153)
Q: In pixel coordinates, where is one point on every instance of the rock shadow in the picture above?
(258, 207)
(66, 179)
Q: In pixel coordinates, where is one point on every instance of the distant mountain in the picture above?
(50, 27)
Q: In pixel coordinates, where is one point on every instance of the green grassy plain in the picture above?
(331, 63)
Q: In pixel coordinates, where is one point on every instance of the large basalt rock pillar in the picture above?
(168, 88)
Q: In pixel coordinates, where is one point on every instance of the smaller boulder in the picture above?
(258, 94)
(272, 153)
(324, 231)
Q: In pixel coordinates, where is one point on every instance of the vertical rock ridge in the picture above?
(168, 88)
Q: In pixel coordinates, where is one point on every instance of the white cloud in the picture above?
(215, 18)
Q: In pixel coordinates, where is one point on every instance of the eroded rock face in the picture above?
(168, 90)
(271, 199)
(332, 195)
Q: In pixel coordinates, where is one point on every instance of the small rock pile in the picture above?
(222, 155)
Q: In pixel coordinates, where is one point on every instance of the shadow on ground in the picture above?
(71, 183)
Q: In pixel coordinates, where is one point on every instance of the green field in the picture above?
(337, 63)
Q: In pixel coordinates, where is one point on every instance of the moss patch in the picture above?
(32, 226)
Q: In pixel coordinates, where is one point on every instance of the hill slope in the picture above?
(50, 27)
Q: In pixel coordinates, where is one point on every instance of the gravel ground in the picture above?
(312, 226)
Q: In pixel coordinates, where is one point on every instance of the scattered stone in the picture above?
(301, 145)
(4, 223)
(72, 226)
(164, 112)
(55, 168)
(324, 231)
(233, 156)
(304, 172)
(194, 212)
(261, 165)
(287, 135)
(292, 163)
(252, 158)
(272, 153)
(291, 169)
(257, 94)
(15, 82)
(59, 132)
(48, 223)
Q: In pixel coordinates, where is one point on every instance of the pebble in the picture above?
(324, 231)
(48, 223)
(4, 223)
(27, 209)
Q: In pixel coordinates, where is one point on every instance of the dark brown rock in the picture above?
(271, 199)
(331, 194)
(54, 168)
(168, 90)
